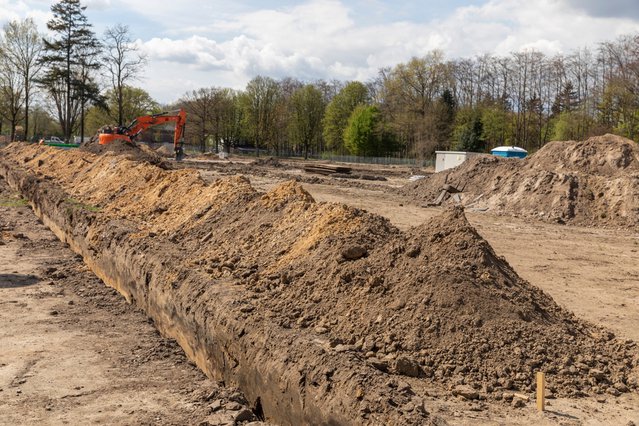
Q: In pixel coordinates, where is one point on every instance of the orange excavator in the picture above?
(137, 126)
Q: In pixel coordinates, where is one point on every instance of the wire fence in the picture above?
(327, 156)
(402, 161)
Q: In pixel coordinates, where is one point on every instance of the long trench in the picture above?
(279, 370)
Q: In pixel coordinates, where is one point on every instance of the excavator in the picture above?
(137, 126)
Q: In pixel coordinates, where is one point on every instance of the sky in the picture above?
(192, 44)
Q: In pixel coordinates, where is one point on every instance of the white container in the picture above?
(449, 159)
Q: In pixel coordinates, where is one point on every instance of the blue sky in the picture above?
(192, 43)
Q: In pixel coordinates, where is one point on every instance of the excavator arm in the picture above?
(142, 123)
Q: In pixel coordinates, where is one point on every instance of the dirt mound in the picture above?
(269, 162)
(434, 302)
(165, 151)
(590, 182)
(130, 151)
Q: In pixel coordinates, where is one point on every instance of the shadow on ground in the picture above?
(17, 280)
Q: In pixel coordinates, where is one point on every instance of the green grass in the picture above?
(80, 205)
(13, 202)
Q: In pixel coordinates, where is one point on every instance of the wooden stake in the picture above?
(541, 391)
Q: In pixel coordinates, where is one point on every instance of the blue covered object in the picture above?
(509, 151)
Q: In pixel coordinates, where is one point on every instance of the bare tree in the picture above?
(10, 95)
(123, 63)
(23, 47)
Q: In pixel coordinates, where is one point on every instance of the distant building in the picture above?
(449, 159)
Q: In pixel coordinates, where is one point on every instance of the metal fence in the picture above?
(377, 160)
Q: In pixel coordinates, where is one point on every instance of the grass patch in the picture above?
(80, 205)
(13, 202)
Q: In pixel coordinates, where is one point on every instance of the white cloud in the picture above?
(321, 39)
(195, 44)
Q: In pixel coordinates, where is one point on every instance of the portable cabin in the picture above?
(449, 159)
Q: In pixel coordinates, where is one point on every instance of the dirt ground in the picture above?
(74, 352)
(589, 271)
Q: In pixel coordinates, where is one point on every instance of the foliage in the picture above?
(338, 112)
(213, 117)
(135, 102)
(260, 101)
(366, 133)
(468, 133)
(306, 121)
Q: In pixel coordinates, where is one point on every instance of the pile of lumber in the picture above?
(326, 169)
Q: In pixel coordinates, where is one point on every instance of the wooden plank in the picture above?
(541, 391)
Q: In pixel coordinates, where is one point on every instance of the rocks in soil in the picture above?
(434, 302)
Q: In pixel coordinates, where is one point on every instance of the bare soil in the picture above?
(592, 182)
(433, 304)
(74, 352)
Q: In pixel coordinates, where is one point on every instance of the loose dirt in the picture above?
(434, 302)
(74, 352)
(588, 182)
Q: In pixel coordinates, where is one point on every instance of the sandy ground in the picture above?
(592, 272)
(74, 352)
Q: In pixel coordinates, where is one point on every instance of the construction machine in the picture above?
(137, 126)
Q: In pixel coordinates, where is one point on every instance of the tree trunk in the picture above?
(120, 103)
(67, 119)
(13, 129)
(81, 121)
(26, 110)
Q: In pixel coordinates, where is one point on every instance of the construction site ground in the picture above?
(589, 270)
(75, 352)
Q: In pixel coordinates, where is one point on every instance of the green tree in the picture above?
(136, 102)
(306, 121)
(366, 133)
(415, 104)
(66, 60)
(338, 112)
(496, 126)
(468, 132)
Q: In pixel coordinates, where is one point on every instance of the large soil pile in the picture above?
(131, 151)
(434, 302)
(588, 182)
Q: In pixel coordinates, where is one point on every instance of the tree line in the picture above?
(428, 103)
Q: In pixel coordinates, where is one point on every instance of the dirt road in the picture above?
(74, 352)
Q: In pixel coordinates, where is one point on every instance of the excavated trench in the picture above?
(282, 372)
(320, 313)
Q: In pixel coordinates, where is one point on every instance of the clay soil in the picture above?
(74, 352)
(426, 301)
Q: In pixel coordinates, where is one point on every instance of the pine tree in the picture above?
(68, 59)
